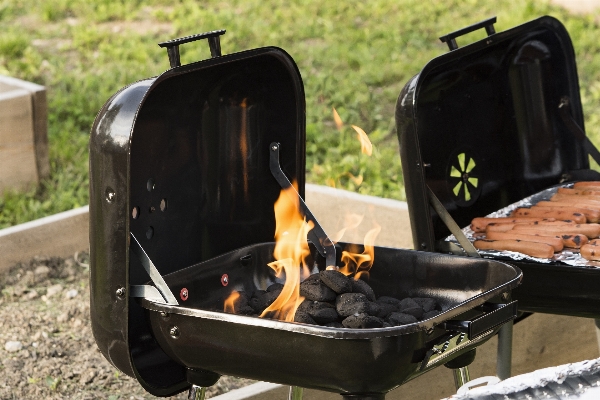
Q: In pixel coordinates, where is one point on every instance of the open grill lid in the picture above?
(480, 126)
(181, 162)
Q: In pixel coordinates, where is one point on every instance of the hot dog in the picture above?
(591, 251)
(590, 215)
(590, 230)
(540, 250)
(504, 227)
(479, 224)
(574, 241)
(578, 200)
(554, 241)
(583, 191)
(593, 184)
(560, 215)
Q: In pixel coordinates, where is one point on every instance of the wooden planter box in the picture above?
(23, 134)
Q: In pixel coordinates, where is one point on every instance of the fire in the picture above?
(339, 124)
(229, 306)
(291, 251)
(352, 221)
(365, 144)
(359, 264)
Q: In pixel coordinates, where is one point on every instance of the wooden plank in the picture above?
(18, 168)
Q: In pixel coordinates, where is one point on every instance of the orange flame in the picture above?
(365, 144)
(360, 264)
(230, 302)
(291, 251)
(351, 222)
(339, 124)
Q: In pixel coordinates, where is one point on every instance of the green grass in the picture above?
(353, 55)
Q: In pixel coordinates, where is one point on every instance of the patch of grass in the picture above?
(355, 56)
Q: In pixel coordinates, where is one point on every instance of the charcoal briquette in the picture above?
(426, 303)
(388, 300)
(258, 292)
(363, 321)
(360, 286)
(430, 314)
(334, 324)
(416, 312)
(407, 303)
(270, 297)
(373, 309)
(245, 310)
(351, 303)
(386, 309)
(324, 315)
(387, 325)
(274, 287)
(304, 318)
(258, 304)
(397, 318)
(314, 290)
(336, 281)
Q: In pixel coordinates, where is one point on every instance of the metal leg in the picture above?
(504, 357)
(295, 393)
(196, 393)
(461, 376)
(597, 321)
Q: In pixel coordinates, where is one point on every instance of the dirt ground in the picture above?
(47, 350)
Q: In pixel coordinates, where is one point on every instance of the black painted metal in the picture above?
(371, 361)
(496, 102)
(450, 39)
(182, 161)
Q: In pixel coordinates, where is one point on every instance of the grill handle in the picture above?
(450, 39)
(495, 315)
(214, 42)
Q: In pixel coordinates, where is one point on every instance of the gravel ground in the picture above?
(47, 349)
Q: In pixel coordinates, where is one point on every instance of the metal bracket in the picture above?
(564, 108)
(317, 235)
(146, 292)
(155, 276)
(501, 314)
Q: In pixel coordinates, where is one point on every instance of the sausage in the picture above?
(479, 224)
(584, 190)
(590, 230)
(574, 241)
(573, 203)
(554, 241)
(579, 200)
(590, 215)
(576, 192)
(540, 250)
(591, 251)
(504, 227)
(560, 215)
(594, 184)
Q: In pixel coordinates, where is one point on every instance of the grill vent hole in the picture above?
(150, 232)
(150, 184)
(135, 213)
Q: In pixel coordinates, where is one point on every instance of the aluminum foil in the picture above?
(567, 256)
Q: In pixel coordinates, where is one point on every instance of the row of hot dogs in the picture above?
(569, 220)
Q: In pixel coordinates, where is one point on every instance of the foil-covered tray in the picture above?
(567, 256)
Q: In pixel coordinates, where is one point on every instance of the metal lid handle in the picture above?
(172, 45)
(450, 39)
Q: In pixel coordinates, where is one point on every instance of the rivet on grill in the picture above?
(110, 195)
(174, 332)
(120, 292)
(423, 245)
(225, 280)
(163, 204)
(135, 212)
(150, 184)
(164, 314)
(273, 148)
(184, 294)
(150, 232)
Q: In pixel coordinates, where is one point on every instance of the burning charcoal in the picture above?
(334, 325)
(304, 318)
(258, 304)
(386, 309)
(360, 286)
(362, 320)
(271, 296)
(240, 302)
(389, 300)
(373, 309)
(312, 277)
(337, 281)
(426, 303)
(397, 318)
(258, 293)
(430, 314)
(321, 312)
(275, 287)
(314, 290)
(351, 303)
(245, 310)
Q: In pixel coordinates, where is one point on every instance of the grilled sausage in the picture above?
(479, 224)
(591, 251)
(590, 230)
(560, 215)
(554, 241)
(540, 250)
(590, 215)
(591, 184)
(578, 201)
(504, 227)
(574, 241)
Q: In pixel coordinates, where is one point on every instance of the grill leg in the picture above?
(597, 321)
(295, 393)
(196, 393)
(461, 376)
(504, 355)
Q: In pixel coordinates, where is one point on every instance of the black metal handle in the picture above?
(172, 45)
(496, 315)
(450, 39)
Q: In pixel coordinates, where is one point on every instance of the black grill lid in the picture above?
(480, 125)
(181, 162)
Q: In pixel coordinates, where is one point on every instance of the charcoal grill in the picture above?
(487, 125)
(185, 169)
